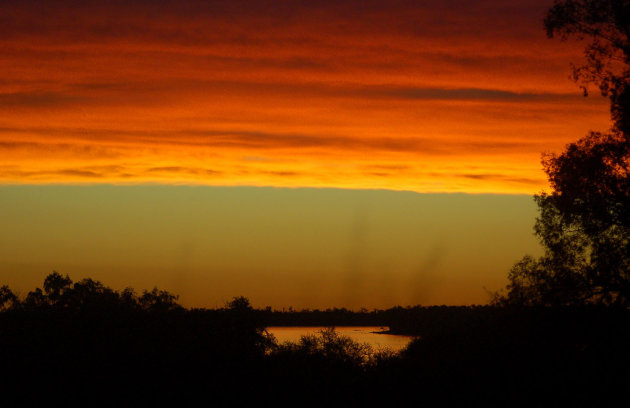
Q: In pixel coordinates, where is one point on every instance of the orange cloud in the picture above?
(405, 95)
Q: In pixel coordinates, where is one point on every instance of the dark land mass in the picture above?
(83, 343)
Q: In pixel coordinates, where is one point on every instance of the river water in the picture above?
(362, 334)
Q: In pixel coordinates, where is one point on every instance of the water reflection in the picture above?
(362, 334)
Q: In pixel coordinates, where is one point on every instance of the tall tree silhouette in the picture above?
(584, 222)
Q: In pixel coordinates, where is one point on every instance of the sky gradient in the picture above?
(279, 247)
(301, 153)
(432, 96)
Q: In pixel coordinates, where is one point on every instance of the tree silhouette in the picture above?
(584, 222)
(56, 286)
(239, 304)
(606, 24)
(156, 300)
(7, 298)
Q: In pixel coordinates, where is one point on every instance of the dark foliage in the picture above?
(84, 340)
(606, 24)
(516, 356)
(84, 343)
(584, 222)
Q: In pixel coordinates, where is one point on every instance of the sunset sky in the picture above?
(151, 143)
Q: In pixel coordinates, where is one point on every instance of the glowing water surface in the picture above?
(362, 334)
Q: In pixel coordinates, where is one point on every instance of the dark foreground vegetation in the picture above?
(83, 342)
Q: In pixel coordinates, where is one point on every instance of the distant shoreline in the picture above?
(385, 329)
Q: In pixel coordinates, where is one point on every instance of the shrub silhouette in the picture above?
(331, 346)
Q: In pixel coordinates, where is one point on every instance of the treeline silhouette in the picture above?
(71, 342)
(86, 340)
